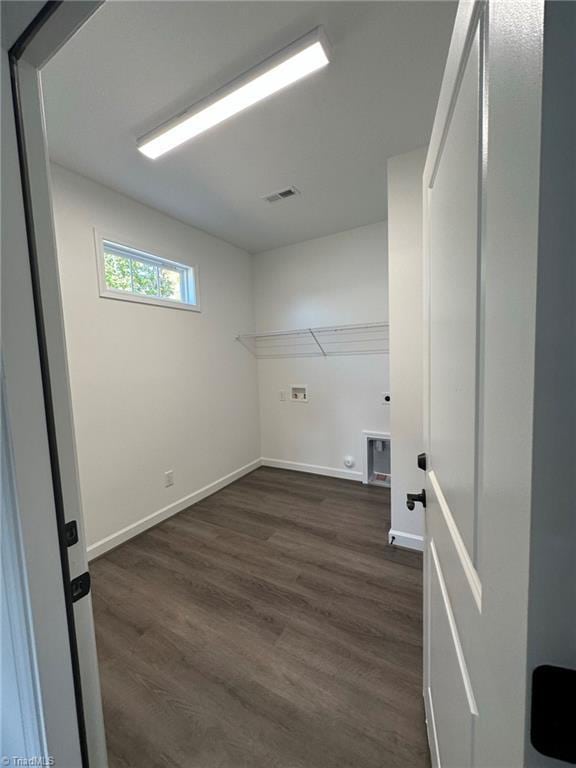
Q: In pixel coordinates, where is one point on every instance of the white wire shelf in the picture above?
(328, 341)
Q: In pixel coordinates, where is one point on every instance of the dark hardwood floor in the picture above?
(268, 626)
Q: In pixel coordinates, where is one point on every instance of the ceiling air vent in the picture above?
(284, 194)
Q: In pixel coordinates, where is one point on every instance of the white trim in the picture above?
(463, 31)
(109, 542)
(51, 629)
(313, 469)
(406, 540)
(459, 546)
(115, 539)
(431, 730)
(109, 293)
(454, 632)
(133, 298)
(18, 631)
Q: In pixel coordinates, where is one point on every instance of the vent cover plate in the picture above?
(282, 194)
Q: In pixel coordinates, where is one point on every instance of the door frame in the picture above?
(46, 33)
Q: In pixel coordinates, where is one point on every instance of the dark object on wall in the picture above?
(416, 498)
(553, 725)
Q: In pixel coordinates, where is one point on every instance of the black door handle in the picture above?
(412, 498)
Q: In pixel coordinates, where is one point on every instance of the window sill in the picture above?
(152, 300)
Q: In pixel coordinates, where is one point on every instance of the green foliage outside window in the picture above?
(141, 277)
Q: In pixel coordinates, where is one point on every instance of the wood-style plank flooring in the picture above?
(268, 626)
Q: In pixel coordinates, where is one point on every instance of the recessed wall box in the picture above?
(376, 459)
(299, 393)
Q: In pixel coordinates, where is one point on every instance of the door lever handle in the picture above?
(412, 498)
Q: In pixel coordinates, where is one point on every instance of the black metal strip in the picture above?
(15, 54)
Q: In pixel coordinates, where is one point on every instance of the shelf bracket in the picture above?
(317, 342)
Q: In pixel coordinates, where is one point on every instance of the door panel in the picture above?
(450, 690)
(453, 200)
(463, 585)
(454, 336)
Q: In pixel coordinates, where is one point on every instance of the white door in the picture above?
(481, 186)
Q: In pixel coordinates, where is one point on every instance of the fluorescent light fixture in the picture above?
(303, 57)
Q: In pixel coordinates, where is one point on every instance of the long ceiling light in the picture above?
(303, 57)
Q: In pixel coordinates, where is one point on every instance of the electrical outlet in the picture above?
(169, 478)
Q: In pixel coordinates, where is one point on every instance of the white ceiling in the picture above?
(135, 64)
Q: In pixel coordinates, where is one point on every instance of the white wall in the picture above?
(339, 279)
(153, 388)
(406, 340)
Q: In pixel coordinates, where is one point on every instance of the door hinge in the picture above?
(80, 586)
(553, 721)
(71, 533)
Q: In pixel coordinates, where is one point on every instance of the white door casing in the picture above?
(32, 532)
(39, 408)
(481, 198)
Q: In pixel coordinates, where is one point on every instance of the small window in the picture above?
(134, 275)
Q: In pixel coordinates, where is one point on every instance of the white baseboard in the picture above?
(102, 546)
(406, 540)
(314, 469)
